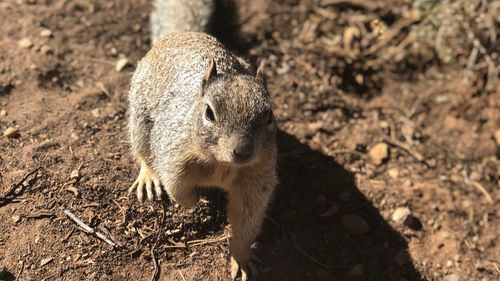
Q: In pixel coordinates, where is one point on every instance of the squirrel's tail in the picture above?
(180, 15)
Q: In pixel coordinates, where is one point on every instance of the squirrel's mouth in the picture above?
(241, 162)
(232, 160)
(239, 154)
(238, 160)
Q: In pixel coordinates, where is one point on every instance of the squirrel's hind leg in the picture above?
(146, 182)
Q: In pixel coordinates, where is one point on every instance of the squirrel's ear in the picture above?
(210, 72)
(259, 76)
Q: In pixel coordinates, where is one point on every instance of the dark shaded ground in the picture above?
(316, 194)
(335, 101)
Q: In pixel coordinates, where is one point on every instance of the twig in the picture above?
(87, 228)
(193, 243)
(495, 265)
(66, 237)
(25, 177)
(175, 246)
(92, 205)
(483, 190)
(12, 191)
(103, 89)
(122, 210)
(419, 157)
(477, 185)
(156, 271)
(368, 5)
(182, 276)
(492, 76)
(132, 253)
(20, 271)
(40, 214)
(391, 33)
(73, 190)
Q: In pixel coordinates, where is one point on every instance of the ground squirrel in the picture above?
(201, 117)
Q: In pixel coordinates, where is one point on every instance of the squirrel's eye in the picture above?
(209, 114)
(270, 118)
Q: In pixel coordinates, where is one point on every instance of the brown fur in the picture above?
(200, 118)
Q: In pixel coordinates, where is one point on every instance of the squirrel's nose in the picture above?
(243, 152)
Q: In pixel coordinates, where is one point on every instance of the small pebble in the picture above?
(393, 173)
(315, 126)
(3, 112)
(431, 163)
(46, 33)
(136, 27)
(45, 50)
(25, 43)
(75, 174)
(359, 78)
(96, 112)
(354, 224)
(45, 261)
(11, 132)
(383, 124)
(16, 218)
(378, 153)
(121, 63)
(285, 68)
(400, 214)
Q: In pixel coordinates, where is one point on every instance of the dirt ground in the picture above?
(387, 171)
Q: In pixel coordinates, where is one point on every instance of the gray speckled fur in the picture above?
(180, 15)
(165, 87)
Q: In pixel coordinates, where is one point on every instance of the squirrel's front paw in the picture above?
(148, 181)
(249, 269)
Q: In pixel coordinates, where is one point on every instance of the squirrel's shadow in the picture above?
(303, 238)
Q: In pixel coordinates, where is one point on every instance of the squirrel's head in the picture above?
(236, 122)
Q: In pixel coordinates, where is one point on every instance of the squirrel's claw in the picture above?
(146, 181)
(249, 270)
